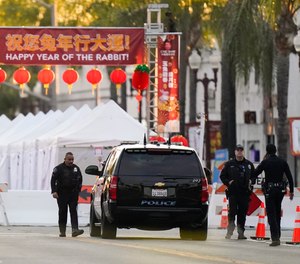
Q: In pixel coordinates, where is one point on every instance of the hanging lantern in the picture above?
(158, 139)
(140, 77)
(70, 76)
(22, 76)
(94, 76)
(118, 76)
(46, 77)
(2, 75)
(180, 139)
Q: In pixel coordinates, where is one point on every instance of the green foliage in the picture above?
(142, 68)
(10, 100)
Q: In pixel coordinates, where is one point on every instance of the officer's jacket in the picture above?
(240, 172)
(275, 168)
(67, 178)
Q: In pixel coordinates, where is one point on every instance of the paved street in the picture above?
(39, 245)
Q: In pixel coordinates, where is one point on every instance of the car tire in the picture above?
(95, 231)
(108, 230)
(194, 233)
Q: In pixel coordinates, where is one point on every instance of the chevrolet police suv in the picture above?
(150, 187)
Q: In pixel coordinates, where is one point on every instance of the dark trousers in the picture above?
(238, 207)
(274, 199)
(67, 199)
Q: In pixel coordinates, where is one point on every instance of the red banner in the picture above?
(168, 78)
(71, 46)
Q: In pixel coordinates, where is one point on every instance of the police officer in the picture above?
(274, 188)
(236, 175)
(66, 182)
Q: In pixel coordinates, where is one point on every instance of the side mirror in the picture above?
(93, 170)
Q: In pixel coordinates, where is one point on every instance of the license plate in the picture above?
(159, 192)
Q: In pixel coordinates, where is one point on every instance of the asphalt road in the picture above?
(39, 245)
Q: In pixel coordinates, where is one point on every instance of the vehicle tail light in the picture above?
(204, 193)
(113, 186)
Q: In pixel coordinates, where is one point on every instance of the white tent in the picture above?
(5, 123)
(109, 127)
(34, 145)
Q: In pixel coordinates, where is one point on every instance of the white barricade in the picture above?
(39, 208)
(288, 210)
(3, 188)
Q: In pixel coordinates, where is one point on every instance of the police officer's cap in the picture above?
(239, 147)
(271, 149)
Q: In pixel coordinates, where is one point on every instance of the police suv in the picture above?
(151, 187)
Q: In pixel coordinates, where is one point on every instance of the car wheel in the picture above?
(108, 230)
(95, 231)
(194, 233)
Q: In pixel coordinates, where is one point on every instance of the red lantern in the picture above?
(180, 139)
(158, 139)
(140, 80)
(118, 76)
(2, 75)
(94, 76)
(22, 76)
(70, 76)
(46, 76)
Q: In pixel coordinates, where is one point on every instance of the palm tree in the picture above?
(257, 35)
(284, 34)
(242, 51)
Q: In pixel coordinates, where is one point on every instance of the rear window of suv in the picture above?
(135, 162)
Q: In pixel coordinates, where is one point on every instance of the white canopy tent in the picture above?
(109, 127)
(33, 145)
(5, 123)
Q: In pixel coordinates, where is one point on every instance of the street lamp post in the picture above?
(195, 62)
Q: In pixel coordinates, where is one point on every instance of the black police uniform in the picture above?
(274, 188)
(238, 192)
(67, 182)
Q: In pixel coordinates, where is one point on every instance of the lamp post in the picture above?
(53, 13)
(195, 62)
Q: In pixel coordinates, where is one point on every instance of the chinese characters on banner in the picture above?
(168, 78)
(71, 46)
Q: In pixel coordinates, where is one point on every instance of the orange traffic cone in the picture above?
(296, 234)
(261, 227)
(224, 215)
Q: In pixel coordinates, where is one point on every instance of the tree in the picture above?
(257, 34)
(284, 34)
(243, 44)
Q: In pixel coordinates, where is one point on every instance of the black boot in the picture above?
(62, 231)
(241, 233)
(230, 229)
(77, 232)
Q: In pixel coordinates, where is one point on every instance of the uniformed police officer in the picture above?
(66, 184)
(236, 175)
(274, 188)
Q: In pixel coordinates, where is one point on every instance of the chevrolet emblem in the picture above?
(159, 184)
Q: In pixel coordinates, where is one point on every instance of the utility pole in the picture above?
(54, 88)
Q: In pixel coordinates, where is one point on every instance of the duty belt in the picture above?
(276, 184)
